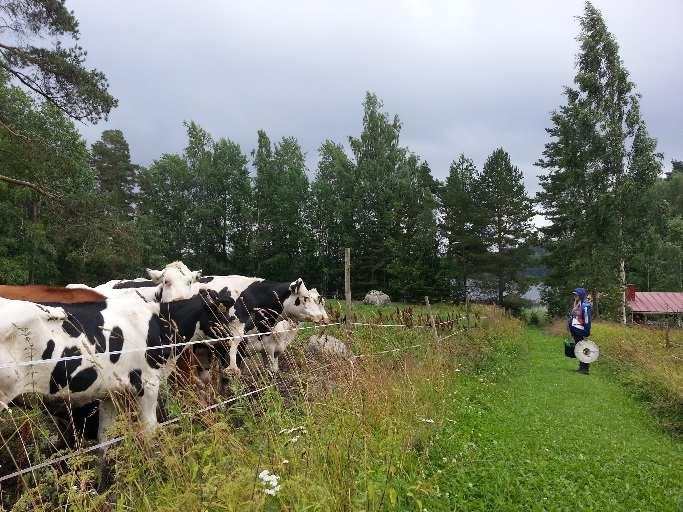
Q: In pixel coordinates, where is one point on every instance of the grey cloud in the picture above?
(463, 76)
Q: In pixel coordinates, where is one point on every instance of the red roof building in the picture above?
(654, 303)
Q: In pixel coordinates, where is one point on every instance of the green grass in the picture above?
(549, 438)
(495, 419)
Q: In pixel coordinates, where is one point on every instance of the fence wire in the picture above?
(115, 440)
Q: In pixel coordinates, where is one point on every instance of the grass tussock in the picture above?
(647, 361)
(338, 434)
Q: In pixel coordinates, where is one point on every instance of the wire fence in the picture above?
(105, 444)
(204, 341)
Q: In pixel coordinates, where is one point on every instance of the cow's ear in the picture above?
(296, 286)
(225, 294)
(196, 275)
(155, 275)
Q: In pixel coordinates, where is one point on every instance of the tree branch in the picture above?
(31, 84)
(21, 183)
(16, 134)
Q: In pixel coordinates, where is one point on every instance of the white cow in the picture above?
(104, 346)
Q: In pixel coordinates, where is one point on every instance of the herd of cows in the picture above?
(80, 344)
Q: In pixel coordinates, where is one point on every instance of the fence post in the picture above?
(431, 318)
(467, 309)
(347, 286)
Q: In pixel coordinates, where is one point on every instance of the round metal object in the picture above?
(586, 351)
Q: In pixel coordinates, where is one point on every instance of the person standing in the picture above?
(579, 323)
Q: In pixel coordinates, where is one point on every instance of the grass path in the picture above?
(548, 438)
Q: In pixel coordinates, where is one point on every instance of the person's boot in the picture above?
(583, 368)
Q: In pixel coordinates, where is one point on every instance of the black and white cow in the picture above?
(266, 306)
(108, 346)
(261, 305)
(165, 285)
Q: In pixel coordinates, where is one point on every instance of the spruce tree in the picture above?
(459, 227)
(505, 222)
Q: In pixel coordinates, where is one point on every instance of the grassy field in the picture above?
(494, 419)
(646, 363)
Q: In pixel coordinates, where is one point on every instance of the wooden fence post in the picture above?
(347, 286)
(467, 309)
(431, 318)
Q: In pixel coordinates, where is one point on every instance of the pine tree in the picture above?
(505, 222)
(57, 73)
(115, 174)
(600, 164)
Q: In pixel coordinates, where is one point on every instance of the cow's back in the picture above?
(40, 293)
(80, 338)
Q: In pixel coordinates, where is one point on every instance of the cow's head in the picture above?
(219, 317)
(304, 304)
(175, 281)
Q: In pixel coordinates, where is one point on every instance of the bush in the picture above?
(534, 316)
(515, 304)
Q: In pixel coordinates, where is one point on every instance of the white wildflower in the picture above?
(293, 429)
(426, 420)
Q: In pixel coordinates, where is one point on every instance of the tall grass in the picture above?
(354, 435)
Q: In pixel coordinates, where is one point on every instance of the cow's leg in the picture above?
(107, 413)
(204, 358)
(234, 345)
(148, 406)
(270, 359)
(107, 418)
(232, 368)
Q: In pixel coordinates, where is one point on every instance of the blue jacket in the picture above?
(579, 322)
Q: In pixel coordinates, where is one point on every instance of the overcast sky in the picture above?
(464, 76)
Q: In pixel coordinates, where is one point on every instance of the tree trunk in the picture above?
(622, 283)
(32, 259)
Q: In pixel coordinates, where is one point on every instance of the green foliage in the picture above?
(35, 247)
(382, 203)
(505, 222)
(282, 225)
(460, 224)
(56, 74)
(600, 166)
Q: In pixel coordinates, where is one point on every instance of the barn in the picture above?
(646, 306)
